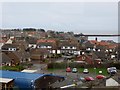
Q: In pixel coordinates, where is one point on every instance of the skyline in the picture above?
(79, 17)
(88, 16)
(100, 37)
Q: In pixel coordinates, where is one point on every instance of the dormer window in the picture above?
(98, 50)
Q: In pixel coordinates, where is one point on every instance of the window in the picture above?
(63, 47)
(49, 46)
(12, 49)
(98, 50)
(73, 47)
(83, 58)
(88, 49)
(68, 47)
(94, 49)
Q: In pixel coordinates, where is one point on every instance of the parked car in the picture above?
(89, 78)
(100, 77)
(74, 70)
(112, 70)
(68, 69)
(82, 79)
(85, 71)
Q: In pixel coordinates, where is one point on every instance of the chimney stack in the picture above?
(96, 39)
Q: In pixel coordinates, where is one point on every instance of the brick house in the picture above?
(85, 59)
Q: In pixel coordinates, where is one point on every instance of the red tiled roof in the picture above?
(94, 42)
(99, 43)
(104, 43)
(111, 46)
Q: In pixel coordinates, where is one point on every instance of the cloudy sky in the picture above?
(85, 17)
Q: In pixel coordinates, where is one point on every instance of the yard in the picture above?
(95, 70)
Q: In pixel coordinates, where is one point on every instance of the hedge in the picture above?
(77, 65)
(117, 65)
(12, 68)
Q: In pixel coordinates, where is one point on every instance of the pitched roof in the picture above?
(38, 51)
(112, 46)
(32, 40)
(4, 58)
(9, 41)
(46, 40)
(88, 44)
(67, 43)
(9, 46)
(14, 56)
(100, 47)
(88, 58)
(100, 55)
(45, 44)
(93, 41)
(103, 43)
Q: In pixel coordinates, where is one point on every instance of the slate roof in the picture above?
(6, 46)
(31, 40)
(88, 44)
(100, 55)
(4, 58)
(46, 41)
(45, 44)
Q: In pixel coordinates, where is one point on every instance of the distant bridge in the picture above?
(97, 35)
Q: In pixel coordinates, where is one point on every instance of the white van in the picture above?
(112, 70)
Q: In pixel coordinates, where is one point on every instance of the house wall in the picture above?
(85, 59)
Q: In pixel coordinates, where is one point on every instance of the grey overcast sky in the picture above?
(85, 17)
